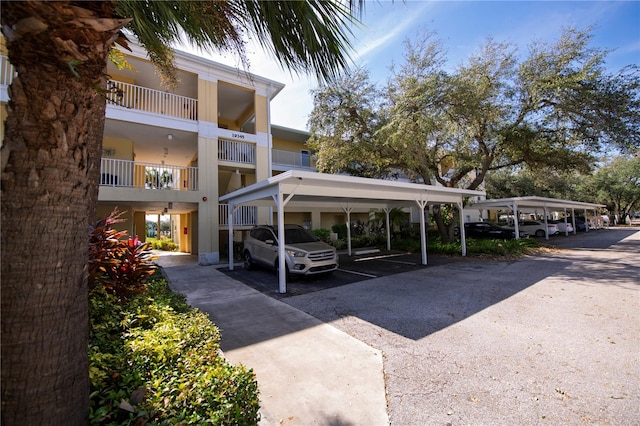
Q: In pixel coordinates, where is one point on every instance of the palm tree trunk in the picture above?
(50, 169)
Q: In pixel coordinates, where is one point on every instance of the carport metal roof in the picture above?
(532, 203)
(516, 204)
(297, 188)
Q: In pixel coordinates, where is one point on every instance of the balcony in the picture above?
(286, 160)
(154, 101)
(243, 216)
(132, 174)
(236, 152)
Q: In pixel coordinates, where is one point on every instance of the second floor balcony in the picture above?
(286, 160)
(133, 174)
(141, 98)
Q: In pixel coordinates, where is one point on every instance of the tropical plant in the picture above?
(51, 160)
(118, 263)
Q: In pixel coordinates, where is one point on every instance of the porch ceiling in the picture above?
(150, 141)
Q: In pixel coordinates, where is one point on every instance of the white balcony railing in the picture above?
(151, 100)
(132, 174)
(289, 159)
(242, 216)
(236, 152)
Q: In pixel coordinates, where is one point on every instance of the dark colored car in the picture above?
(491, 231)
(581, 225)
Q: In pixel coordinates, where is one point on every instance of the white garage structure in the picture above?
(519, 205)
(302, 189)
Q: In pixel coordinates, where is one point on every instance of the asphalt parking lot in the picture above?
(366, 266)
(551, 339)
(358, 267)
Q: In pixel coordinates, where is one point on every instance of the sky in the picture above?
(462, 26)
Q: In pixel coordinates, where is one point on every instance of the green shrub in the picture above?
(474, 246)
(341, 230)
(322, 234)
(164, 243)
(153, 360)
(486, 247)
(360, 241)
(411, 245)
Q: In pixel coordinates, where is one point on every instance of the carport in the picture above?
(317, 190)
(518, 204)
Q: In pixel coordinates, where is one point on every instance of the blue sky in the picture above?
(462, 26)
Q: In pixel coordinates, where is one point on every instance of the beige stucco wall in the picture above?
(207, 101)
(286, 145)
(123, 148)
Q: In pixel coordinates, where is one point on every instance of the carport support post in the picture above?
(386, 211)
(566, 230)
(463, 239)
(516, 220)
(423, 231)
(282, 262)
(546, 225)
(573, 221)
(348, 210)
(230, 222)
(586, 221)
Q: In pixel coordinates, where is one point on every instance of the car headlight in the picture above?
(295, 253)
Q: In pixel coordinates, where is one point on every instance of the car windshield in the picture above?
(298, 235)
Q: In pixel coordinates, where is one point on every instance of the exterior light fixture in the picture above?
(169, 136)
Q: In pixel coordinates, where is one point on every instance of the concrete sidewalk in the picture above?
(308, 372)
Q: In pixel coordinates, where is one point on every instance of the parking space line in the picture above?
(357, 273)
(384, 256)
(398, 261)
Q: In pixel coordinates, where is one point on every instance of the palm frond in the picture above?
(301, 35)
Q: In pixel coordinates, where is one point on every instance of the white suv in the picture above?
(534, 227)
(306, 254)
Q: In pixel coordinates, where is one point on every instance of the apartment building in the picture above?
(175, 151)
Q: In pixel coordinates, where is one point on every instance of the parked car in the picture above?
(305, 253)
(534, 227)
(561, 226)
(490, 230)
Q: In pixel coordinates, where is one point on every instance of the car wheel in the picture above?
(540, 233)
(248, 261)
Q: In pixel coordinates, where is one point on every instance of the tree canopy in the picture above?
(554, 107)
(616, 184)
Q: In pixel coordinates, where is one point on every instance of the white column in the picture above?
(386, 211)
(282, 264)
(586, 222)
(348, 211)
(546, 226)
(516, 219)
(230, 211)
(463, 238)
(573, 221)
(566, 230)
(423, 231)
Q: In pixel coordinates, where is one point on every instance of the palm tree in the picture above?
(51, 160)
